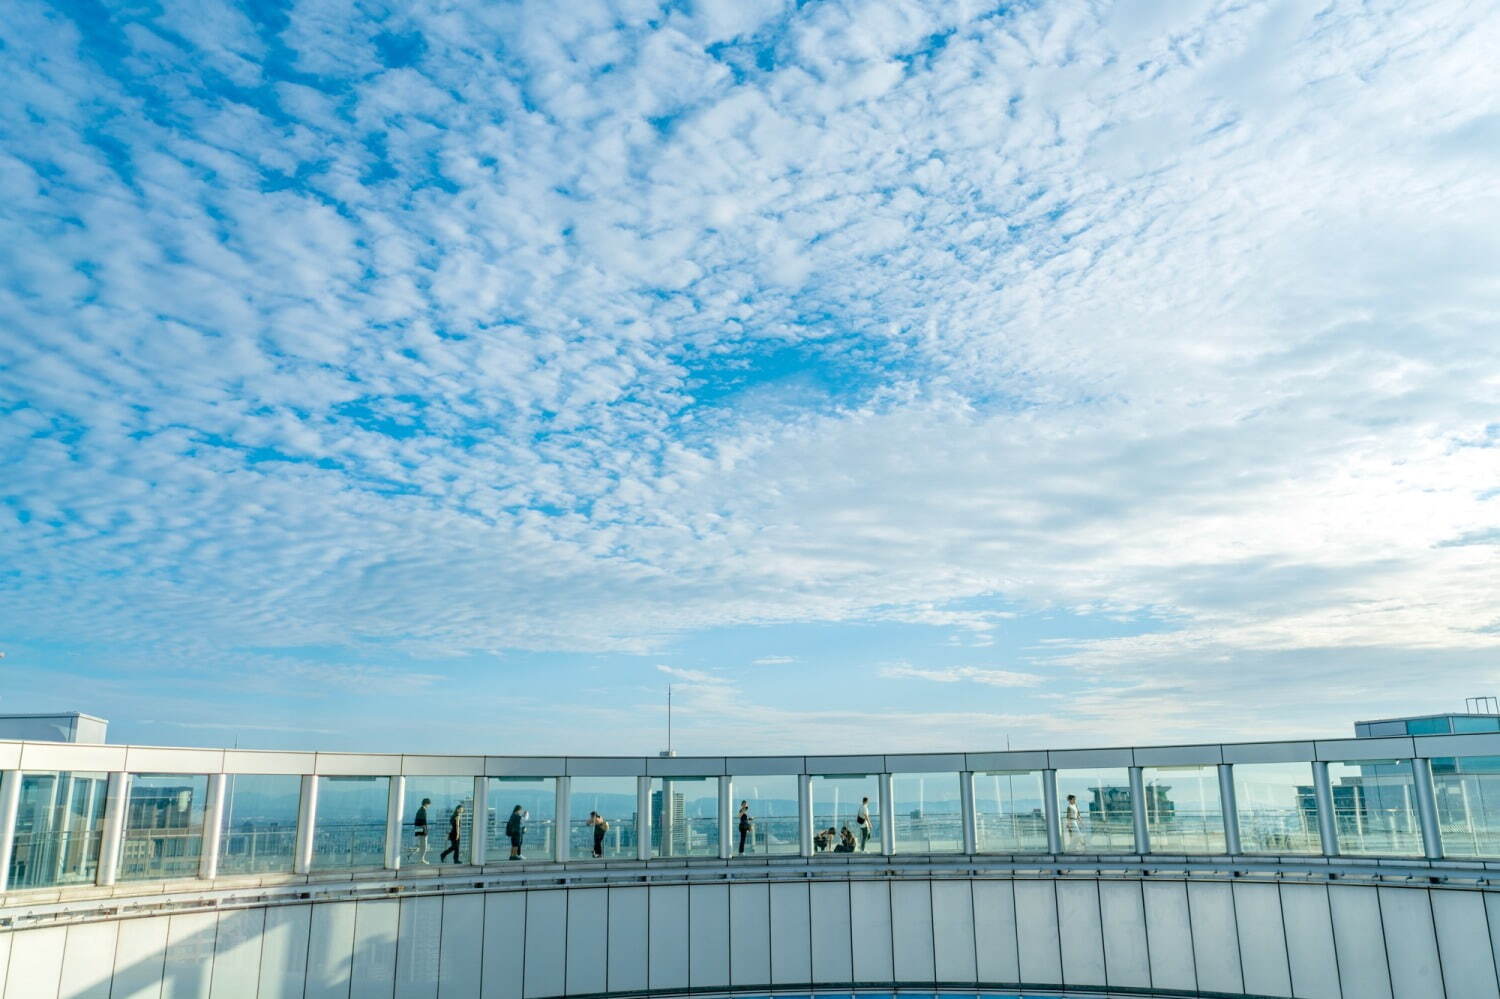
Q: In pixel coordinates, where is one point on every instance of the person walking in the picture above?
(746, 824)
(454, 822)
(1073, 827)
(515, 828)
(419, 832)
(863, 821)
(601, 826)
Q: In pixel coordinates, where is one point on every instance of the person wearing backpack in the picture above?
(746, 824)
(515, 828)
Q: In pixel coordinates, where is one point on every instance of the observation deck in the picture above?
(1324, 868)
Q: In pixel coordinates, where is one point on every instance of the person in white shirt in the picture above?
(1073, 826)
(863, 821)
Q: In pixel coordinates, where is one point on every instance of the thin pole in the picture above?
(669, 719)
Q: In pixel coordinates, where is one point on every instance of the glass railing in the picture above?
(55, 858)
(258, 851)
(353, 845)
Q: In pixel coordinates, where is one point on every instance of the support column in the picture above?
(804, 815)
(10, 802)
(213, 828)
(1138, 811)
(1327, 828)
(562, 822)
(479, 822)
(1432, 836)
(971, 819)
(111, 840)
(728, 827)
(1049, 811)
(395, 807)
(307, 821)
(1231, 810)
(643, 818)
(887, 814)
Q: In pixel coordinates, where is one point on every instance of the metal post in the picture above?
(307, 820)
(971, 820)
(561, 823)
(10, 803)
(116, 803)
(1138, 811)
(1327, 828)
(643, 818)
(887, 814)
(1231, 809)
(395, 808)
(1432, 837)
(213, 828)
(728, 827)
(1049, 811)
(804, 815)
(479, 822)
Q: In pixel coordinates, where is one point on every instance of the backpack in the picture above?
(513, 825)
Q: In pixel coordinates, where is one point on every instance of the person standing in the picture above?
(454, 822)
(746, 824)
(601, 826)
(515, 828)
(419, 832)
(863, 821)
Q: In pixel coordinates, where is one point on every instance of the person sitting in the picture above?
(846, 842)
(821, 841)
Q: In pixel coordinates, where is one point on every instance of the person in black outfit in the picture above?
(515, 828)
(746, 822)
(419, 831)
(453, 824)
(601, 826)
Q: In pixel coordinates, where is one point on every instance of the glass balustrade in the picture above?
(610, 799)
(1375, 808)
(260, 823)
(769, 803)
(1009, 812)
(435, 821)
(928, 814)
(350, 828)
(1468, 804)
(1094, 810)
(1183, 812)
(163, 826)
(685, 817)
(59, 821)
(1278, 808)
(845, 802)
(532, 801)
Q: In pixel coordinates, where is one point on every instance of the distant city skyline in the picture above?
(917, 376)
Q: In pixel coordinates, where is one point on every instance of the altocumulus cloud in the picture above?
(517, 327)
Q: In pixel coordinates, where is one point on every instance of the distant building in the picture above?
(68, 727)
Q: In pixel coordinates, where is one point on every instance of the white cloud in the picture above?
(957, 674)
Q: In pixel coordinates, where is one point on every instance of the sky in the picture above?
(454, 377)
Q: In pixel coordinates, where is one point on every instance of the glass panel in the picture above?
(260, 823)
(1461, 724)
(435, 828)
(533, 803)
(1468, 805)
(1009, 815)
(684, 817)
(1278, 808)
(766, 815)
(610, 799)
(839, 803)
(1183, 813)
(163, 826)
(1427, 726)
(58, 828)
(350, 830)
(929, 815)
(1097, 818)
(1374, 806)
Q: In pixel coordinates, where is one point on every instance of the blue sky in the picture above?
(879, 374)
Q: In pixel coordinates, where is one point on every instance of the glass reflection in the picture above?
(163, 826)
(1278, 808)
(685, 817)
(1183, 813)
(1374, 807)
(1009, 814)
(928, 813)
(260, 823)
(1094, 810)
(59, 822)
(350, 828)
(765, 815)
(1468, 805)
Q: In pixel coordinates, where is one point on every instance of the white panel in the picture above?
(1464, 944)
(749, 935)
(1410, 943)
(1016, 760)
(1124, 913)
(995, 932)
(1177, 756)
(189, 967)
(330, 950)
(911, 931)
(419, 942)
(588, 940)
(668, 957)
(504, 944)
(253, 761)
(5, 943)
(708, 952)
(283, 952)
(89, 960)
(627, 939)
(525, 766)
(1036, 933)
(791, 954)
(685, 766)
(377, 924)
(10, 759)
(758, 766)
(358, 764)
(442, 766)
(832, 958)
(925, 763)
(1067, 759)
(36, 963)
(606, 766)
(1309, 942)
(870, 931)
(1079, 932)
(1168, 935)
(237, 954)
(546, 937)
(151, 760)
(1270, 752)
(1257, 909)
(845, 764)
(1364, 749)
(1216, 944)
(953, 932)
(1359, 942)
(459, 952)
(46, 756)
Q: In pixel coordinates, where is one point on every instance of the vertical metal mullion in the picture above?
(10, 804)
(1050, 812)
(887, 814)
(561, 821)
(1432, 836)
(213, 828)
(804, 815)
(1138, 811)
(395, 807)
(727, 831)
(643, 817)
(1323, 792)
(479, 822)
(970, 819)
(307, 820)
(1231, 810)
(111, 842)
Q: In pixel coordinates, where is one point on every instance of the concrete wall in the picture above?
(1312, 941)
